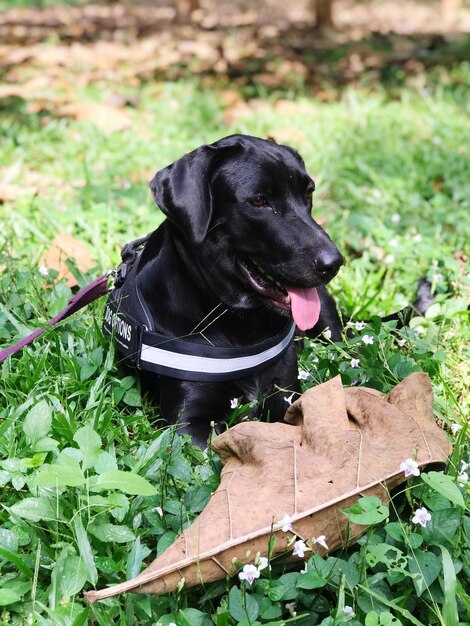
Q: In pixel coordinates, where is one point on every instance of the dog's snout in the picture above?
(327, 263)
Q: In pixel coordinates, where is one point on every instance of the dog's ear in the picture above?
(182, 191)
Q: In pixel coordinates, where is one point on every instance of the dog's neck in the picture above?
(181, 303)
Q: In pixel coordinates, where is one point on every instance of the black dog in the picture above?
(237, 259)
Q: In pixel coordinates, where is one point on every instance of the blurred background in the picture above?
(265, 44)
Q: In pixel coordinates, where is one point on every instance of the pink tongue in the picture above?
(305, 306)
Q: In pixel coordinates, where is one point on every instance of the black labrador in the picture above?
(238, 257)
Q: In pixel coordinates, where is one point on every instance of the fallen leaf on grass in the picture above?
(107, 118)
(10, 192)
(65, 246)
(290, 135)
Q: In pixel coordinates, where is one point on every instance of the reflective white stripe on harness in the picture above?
(208, 365)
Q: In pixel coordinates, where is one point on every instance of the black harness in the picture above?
(129, 321)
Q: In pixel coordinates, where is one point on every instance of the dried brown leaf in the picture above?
(65, 246)
(107, 118)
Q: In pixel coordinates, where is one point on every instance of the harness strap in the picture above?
(88, 294)
(182, 357)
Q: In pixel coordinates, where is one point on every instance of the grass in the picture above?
(392, 187)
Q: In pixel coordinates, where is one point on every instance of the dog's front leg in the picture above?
(193, 406)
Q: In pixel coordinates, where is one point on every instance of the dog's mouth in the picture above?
(303, 303)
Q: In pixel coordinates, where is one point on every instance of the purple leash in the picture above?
(88, 294)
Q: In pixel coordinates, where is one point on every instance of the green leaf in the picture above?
(442, 526)
(384, 553)
(136, 556)
(242, 606)
(384, 619)
(66, 474)
(8, 596)
(85, 550)
(366, 511)
(276, 590)
(89, 443)
(105, 462)
(37, 423)
(450, 612)
(197, 497)
(311, 580)
(235, 604)
(120, 505)
(69, 574)
(428, 566)
(8, 539)
(132, 398)
(165, 541)
(111, 533)
(45, 444)
(35, 509)
(180, 469)
(17, 561)
(192, 617)
(127, 482)
(444, 485)
(81, 618)
(289, 582)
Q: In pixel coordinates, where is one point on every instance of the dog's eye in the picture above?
(259, 201)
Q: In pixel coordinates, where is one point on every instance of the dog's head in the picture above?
(243, 205)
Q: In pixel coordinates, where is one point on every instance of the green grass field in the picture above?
(392, 176)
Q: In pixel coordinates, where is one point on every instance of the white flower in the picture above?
(389, 259)
(249, 573)
(43, 270)
(395, 218)
(299, 548)
(393, 243)
(409, 466)
(321, 541)
(401, 342)
(303, 375)
(420, 330)
(327, 333)
(456, 427)
(348, 611)
(291, 607)
(368, 339)
(417, 238)
(286, 523)
(234, 403)
(421, 516)
(354, 363)
(463, 475)
(263, 563)
(172, 624)
(289, 399)
(360, 326)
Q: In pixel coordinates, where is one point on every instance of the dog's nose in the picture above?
(327, 263)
